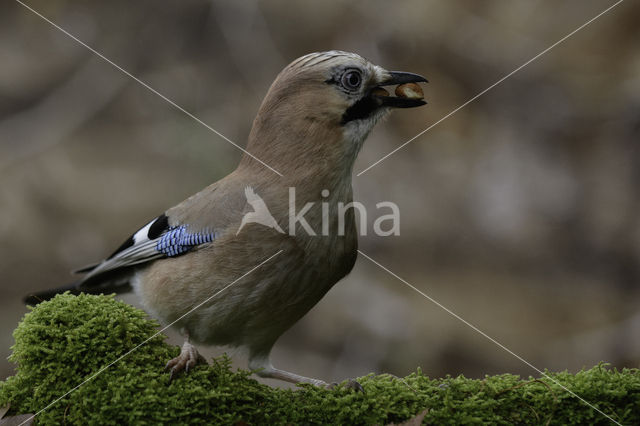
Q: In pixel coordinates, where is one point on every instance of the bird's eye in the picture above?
(351, 80)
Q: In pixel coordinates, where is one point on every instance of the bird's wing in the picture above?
(157, 239)
(250, 194)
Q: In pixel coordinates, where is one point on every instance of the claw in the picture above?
(188, 358)
(351, 384)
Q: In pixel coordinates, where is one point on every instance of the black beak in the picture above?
(399, 77)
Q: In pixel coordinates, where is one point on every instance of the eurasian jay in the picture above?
(310, 128)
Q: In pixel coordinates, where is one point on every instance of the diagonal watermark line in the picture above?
(93, 376)
(146, 86)
(490, 87)
(467, 323)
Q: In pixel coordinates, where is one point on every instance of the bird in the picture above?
(309, 130)
(260, 213)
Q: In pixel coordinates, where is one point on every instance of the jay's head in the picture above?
(325, 104)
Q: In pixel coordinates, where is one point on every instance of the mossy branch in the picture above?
(63, 342)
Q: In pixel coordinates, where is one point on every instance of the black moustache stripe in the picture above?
(360, 110)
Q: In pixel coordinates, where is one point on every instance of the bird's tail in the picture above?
(41, 296)
(118, 281)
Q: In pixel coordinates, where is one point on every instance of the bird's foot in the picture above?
(351, 384)
(187, 359)
(263, 368)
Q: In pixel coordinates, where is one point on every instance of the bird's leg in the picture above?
(261, 366)
(188, 358)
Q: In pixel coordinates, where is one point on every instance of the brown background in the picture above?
(519, 213)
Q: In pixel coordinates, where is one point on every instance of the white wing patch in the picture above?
(143, 234)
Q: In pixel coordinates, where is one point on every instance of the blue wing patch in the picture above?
(178, 240)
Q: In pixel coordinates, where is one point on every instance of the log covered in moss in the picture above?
(64, 342)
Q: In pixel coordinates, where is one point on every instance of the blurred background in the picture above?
(520, 213)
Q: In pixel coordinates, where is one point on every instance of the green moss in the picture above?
(66, 341)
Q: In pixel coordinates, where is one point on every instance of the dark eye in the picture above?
(351, 80)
